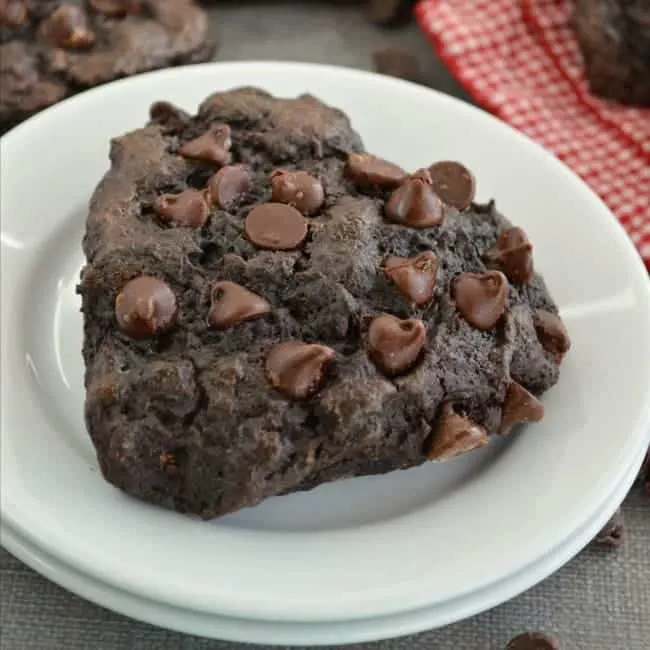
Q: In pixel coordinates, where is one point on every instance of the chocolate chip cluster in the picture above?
(146, 306)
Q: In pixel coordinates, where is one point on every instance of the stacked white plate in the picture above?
(356, 560)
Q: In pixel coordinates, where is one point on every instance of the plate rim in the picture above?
(365, 630)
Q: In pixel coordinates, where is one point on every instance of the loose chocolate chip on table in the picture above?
(297, 369)
(228, 184)
(388, 12)
(67, 26)
(644, 474)
(532, 641)
(552, 333)
(611, 536)
(213, 146)
(454, 434)
(232, 303)
(13, 13)
(453, 183)
(519, 406)
(481, 298)
(297, 188)
(367, 170)
(116, 8)
(396, 62)
(170, 117)
(513, 254)
(415, 204)
(276, 226)
(189, 208)
(395, 344)
(415, 276)
(146, 306)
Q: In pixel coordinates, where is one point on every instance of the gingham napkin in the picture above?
(520, 60)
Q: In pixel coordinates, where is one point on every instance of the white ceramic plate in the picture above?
(314, 634)
(355, 549)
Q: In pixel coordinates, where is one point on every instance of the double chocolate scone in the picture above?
(50, 49)
(614, 36)
(267, 307)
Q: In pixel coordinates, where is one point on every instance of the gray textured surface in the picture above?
(599, 601)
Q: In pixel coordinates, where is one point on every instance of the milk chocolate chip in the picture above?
(453, 183)
(297, 369)
(189, 208)
(454, 435)
(211, 147)
(232, 303)
(13, 13)
(299, 189)
(229, 184)
(519, 406)
(117, 8)
(396, 344)
(415, 277)
(367, 170)
(611, 535)
(67, 26)
(532, 641)
(415, 204)
(146, 306)
(275, 226)
(170, 117)
(551, 333)
(481, 298)
(513, 255)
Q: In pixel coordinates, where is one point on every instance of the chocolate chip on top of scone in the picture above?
(275, 308)
(50, 49)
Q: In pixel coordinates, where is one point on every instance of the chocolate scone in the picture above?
(267, 308)
(50, 49)
(614, 36)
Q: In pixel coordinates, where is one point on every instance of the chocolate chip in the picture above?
(117, 8)
(299, 189)
(453, 183)
(228, 184)
(213, 146)
(454, 434)
(146, 306)
(388, 12)
(396, 62)
(170, 117)
(519, 406)
(67, 26)
(13, 13)
(189, 208)
(396, 344)
(552, 333)
(481, 298)
(415, 277)
(513, 254)
(611, 536)
(232, 303)
(415, 204)
(532, 641)
(367, 170)
(275, 226)
(297, 369)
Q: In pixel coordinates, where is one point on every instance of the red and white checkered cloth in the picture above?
(520, 60)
